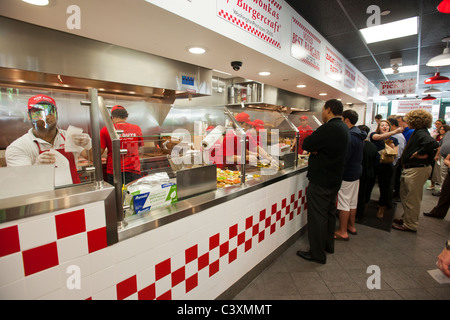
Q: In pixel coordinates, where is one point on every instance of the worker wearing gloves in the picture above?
(44, 143)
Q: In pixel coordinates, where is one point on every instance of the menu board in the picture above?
(405, 106)
(361, 85)
(333, 65)
(305, 44)
(260, 18)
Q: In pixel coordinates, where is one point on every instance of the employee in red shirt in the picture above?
(304, 130)
(130, 139)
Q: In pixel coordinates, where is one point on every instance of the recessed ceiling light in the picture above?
(37, 2)
(385, 12)
(322, 94)
(402, 69)
(264, 73)
(196, 50)
(393, 30)
(301, 86)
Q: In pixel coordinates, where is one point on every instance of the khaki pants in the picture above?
(411, 191)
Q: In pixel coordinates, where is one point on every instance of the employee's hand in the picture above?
(45, 158)
(83, 140)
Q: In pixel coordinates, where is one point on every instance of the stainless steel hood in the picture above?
(262, 96)
(35, 56)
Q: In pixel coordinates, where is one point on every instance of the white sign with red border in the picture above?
(258, 17)
(349, 77)
(333, 65)
(305, 44)
(398, 87)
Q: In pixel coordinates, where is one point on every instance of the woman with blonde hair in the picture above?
(417, 159)
(384, 170)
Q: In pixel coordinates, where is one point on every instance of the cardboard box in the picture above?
(154, 196)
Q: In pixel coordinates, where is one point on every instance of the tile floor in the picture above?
(403, 258)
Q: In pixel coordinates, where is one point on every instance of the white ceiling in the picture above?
(141, 26)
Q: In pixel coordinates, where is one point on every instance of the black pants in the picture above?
(129, 177)
(364, 192)
(396, 176)
(384, 172)
(441, 209)
(321, 204)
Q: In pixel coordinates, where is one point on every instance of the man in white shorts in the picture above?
(348, 193)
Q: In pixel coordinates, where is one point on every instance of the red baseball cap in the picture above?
(40, 98)
(243, 117)
(303, 118)
(258, 124)
(117, 107)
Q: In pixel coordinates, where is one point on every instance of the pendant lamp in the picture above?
(432, 90)
(437, 78)
(444, 6)
(428, 97)
(443, 59)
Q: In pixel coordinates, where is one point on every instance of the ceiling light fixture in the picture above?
(437, 78)
(37, 2)
(442, 59)
(322, 94)
(428, 98)
(444, 6)
(264, 73)
(432, 90)
(388, 31)
(196, 50)
(301, 86)
(400, 69)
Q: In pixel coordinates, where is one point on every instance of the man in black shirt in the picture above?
(328, 147)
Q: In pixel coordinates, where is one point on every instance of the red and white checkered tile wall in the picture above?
(197, 257)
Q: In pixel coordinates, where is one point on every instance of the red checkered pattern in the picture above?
(242, 24)
(222, 250)
(44, 242)
(298, 23)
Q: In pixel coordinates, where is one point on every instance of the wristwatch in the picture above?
(447, 245)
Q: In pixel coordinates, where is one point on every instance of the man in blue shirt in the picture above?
(407, 132)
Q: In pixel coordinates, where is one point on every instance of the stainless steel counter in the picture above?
(147, 221)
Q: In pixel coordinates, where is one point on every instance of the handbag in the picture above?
(388, 154)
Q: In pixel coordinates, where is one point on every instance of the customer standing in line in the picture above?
(367, 179)
(436, 172)
(443, 168)
(397, 167)
(348, 193)
(384, 171)
(328, 147)
(441, 209)
(417, 160)
(407, 131)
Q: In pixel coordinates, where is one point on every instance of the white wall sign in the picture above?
(305, 44)
(333, 65)
(397, 87)
(349, 77)
(405, 106)
(258, 17)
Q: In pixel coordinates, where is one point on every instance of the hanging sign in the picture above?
(405, 106)
(398, 87)
(333, 65)
(361, 85)
(305, 44)
(349, 77)
(258, 17)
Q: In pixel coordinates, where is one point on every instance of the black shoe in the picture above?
(331, 251)
(436, 194)
(428, 214)
(307, 256)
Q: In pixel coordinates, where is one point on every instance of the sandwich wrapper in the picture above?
(70, 144)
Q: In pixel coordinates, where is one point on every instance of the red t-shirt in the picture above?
(303, 133)
(231, 146)
(131, 139)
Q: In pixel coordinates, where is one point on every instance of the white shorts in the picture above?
(348, 195)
